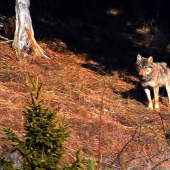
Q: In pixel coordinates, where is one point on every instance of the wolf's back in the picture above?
(163, 70)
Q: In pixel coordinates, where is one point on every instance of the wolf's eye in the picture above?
(145, 67)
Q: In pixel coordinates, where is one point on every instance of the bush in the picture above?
(43, 146)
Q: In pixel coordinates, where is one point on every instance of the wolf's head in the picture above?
(144, 66)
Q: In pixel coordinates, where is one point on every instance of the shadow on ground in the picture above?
(139, 95)
(106, 31)
(136, 93)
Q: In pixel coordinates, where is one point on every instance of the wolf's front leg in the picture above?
(150, 105)
(156, 95)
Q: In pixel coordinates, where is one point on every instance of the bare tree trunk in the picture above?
(24, 39)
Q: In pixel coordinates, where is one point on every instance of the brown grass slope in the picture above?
(131, 136)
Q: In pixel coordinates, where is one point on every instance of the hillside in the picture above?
(91, 79)
(131, 135)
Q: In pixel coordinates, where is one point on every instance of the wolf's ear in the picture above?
(139, 57)
(150, 59)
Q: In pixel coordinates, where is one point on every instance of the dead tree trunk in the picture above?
(24, 39)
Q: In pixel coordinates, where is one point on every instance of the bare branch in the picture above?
(159, 163)
(119, 154)
(3, 38)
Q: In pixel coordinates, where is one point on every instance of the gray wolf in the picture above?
(153, 75)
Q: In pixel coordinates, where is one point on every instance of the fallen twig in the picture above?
(4, 38)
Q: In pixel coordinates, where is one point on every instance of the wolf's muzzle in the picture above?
(141, 75)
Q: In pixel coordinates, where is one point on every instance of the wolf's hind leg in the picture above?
(156, 96)
(150, 105)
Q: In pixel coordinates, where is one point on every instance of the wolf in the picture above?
(153, 75)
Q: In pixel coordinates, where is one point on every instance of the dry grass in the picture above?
(132, 136)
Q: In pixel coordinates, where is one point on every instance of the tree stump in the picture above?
(24, 39)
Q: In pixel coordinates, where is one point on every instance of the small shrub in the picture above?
(91, 164)
(43, 146)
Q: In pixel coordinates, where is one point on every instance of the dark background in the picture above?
(111, 40)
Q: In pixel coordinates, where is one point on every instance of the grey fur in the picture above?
(153, 75)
